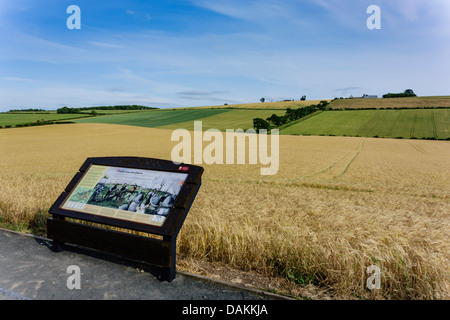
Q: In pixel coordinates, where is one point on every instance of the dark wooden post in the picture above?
(58, 246)
(168, 273)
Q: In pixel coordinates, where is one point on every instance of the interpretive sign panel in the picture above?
(140, 194)
(144, 196)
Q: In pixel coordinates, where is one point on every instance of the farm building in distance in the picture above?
(365, 96)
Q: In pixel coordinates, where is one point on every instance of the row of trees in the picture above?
(120, 107)
(406, 93)
(275, 121)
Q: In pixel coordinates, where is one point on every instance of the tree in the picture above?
(276, 120)
(259, 124)
(303, 98)
(290, 114)
(406, 93)
(262, 100)
(63, 110)
(322, 105)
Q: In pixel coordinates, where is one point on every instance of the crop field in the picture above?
(220, 119)
(154, 118)
(22, 118)
(112, 112)
(411, 102)
(268, 105)
(337, 206)
(232, 119)
(417, 123)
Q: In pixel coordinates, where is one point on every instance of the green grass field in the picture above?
(22, 118)
(233, 119)
(155, 118)
(417, 123)
(108, 112)
(220, 119)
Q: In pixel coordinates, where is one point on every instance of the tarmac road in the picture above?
(29, 269)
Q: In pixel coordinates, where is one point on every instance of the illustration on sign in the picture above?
(144, 196)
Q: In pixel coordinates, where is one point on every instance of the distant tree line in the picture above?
(27, 110)
(35, 123)
(275, 121)
(407, 93)
(119, 107)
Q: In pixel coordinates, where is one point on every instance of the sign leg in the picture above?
(169, 273)
(57, 246)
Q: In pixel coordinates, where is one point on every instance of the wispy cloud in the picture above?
(18, 79)
(106, 45)
(263, 13)
(349, 90)
(28, 47)
(247, 10)
(54, 95)
(202, 95)
(409, 14)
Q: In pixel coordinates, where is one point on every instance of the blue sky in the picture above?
(209, 52)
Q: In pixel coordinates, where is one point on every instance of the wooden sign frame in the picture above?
(156, 252)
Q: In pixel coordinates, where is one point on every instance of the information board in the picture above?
(139, 194)
(144, 196)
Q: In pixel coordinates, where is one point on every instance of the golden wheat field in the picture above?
(385, 103)
(337, 205)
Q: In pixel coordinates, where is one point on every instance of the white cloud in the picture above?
(208, 96)
(53, 95)
(268, 12)
(18, 79)
(106, 45)
(18, 45)
(416, 14)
